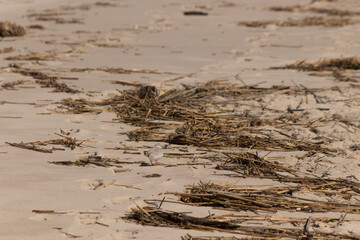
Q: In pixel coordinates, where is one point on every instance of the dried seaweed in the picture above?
(144, 107)
(160, 218)
(94, 160)
(276, 235)
(7, 50)
(54, 17)
(271, 199)
(58, 87)
(43, 79)
(155, 217)
(12, 85)
(65, 141)
(223, 134)
(41, 56)
(8, 29)
(115, 70)
(333, 64)
(304, 8)
(250, 164)
(308, 21)
(189, 237)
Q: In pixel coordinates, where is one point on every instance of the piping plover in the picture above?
(155, 153)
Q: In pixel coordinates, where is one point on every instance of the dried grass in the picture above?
(115, 70)
(42, 56)
(43, 79)
(273, 199)
(304, 8)
(8, 29)
(198, 126)
(333, 64)
(7, 50)
(54, 17)
(304, 22)
(65, 141)
(227, 223)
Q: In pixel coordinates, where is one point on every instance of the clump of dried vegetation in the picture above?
(235, 224)
(198, 124)
(38, 146)
(337, 66)
(9, 29)
(306, 8)
(54, 16)
(43, 79)
(274, 199)
(325, 64)
(303, 22)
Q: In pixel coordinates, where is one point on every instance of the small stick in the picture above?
(161, 203)
(102, 224)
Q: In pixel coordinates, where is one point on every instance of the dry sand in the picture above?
(149, 34)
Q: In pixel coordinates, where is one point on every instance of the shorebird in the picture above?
(155, 153)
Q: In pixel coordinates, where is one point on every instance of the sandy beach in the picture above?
(249, 95)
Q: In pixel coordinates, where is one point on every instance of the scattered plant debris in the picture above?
(54, 17)
(151, 216)
(271, 199)
(12, 85)
(7, 50)
(65, 141)
(304, 22)
(43, 79)
(325, 64)
(41, 56)
(8, 29)
(115, 70)
(304, 8)
(250, 164)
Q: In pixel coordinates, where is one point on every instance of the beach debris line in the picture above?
(6, 50)
(156, 217)
(100, 161)
(43, 56)
(54, 16)
(277, 235)
(116, 70)
(195, 125)
(12, 85)
(43, 79)
(308, 8)
(236, 224)
(93, 159)
(222, 133)
(249, 164)
(348, 63)
(273, 199)
(338, 67)
(9, 29)
(303, 22)
(65, 141)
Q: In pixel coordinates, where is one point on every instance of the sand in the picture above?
(145, 34)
